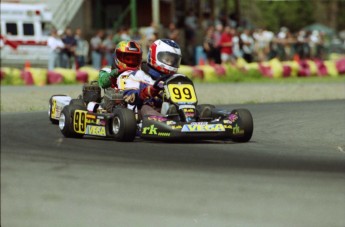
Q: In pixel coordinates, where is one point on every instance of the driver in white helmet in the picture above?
(163, 59)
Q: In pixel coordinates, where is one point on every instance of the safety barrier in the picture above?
(204, 73)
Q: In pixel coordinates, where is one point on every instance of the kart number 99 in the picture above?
(182, 93)
(79, 121)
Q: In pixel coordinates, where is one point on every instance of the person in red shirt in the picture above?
(226, 45)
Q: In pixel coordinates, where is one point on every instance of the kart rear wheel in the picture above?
(245, 123)
(124, 125)
(66, 121)
(76, 102)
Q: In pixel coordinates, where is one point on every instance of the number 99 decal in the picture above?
(79, 121)
(182, 93)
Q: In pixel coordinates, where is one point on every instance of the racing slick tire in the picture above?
(66, 121)
(205, 110)
(124, 125)
(50, 108)
(77, 102)
(245, 122)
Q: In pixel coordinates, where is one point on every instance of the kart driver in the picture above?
(127, 58)
(163, 59)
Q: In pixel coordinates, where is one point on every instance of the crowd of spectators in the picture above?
(222, 41)
(67, 50)
(261, 44)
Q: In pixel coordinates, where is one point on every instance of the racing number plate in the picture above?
(53, 110)
(79, 121)
(182, 93)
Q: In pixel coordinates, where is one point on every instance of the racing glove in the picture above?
(148, 92)
(114, 73)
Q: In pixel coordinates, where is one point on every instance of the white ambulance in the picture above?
(24, 33)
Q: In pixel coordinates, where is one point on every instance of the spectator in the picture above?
(68, 52)
(96, 49)
(82, 49)
(125, 34)
(108, 48)
(173, 33)
(226, 45)
(191, 26)
(56, 45)
(209, 45)
(248, 45)
(149, 31)
(237, 44)
(217, 35)
(117, 36)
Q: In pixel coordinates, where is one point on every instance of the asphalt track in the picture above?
(292, 173)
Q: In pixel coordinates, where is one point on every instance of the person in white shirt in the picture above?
(55, 43)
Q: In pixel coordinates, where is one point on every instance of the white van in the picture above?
(24, 33)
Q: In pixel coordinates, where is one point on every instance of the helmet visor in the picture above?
(169, 58)
(130, 59)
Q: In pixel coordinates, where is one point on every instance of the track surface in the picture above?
(292, 173)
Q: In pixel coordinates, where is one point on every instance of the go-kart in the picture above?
(181, 118)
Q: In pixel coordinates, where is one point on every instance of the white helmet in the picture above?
(164, 56)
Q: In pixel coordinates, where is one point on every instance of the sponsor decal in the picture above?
(233, 118)
(157, 118)
(236, 130)
(166, 134)
(203, 128)
(90, 116)
(190, 110)
(91, 121)
(176, 127)
(100, 122)
(151, 130)
(199, 123)
(171, 123)
(95, 130)
(228, 126)
(100, 117)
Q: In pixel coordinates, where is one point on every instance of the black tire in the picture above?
(201, 107)
(124, 125)
(77, 102)
(66, 121)
(53, 121)
(245, 122)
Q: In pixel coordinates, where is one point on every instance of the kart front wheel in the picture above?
(124, 125)
(66, 122)
(243, 128)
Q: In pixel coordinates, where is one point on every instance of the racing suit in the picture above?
(107, 77)
(139, 91)
(112, 80)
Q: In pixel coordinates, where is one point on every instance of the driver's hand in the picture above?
(160, 85)
(148, 92)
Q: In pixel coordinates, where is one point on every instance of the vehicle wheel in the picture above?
(205, 110)
(77, 102)
(66, 121)
(245, 123)
(124, 125)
